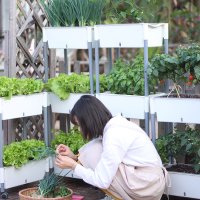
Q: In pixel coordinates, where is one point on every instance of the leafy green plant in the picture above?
(122, 11)
(52, 186)
(128, 77)
(14, 86)
(19, 153)
(65, 84)
(181, 143)
(73, 139)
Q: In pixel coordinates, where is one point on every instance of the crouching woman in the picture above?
(119, 158)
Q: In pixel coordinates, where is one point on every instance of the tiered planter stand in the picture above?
(177, 110)
(141, 35)
(67, 38)
(17, 107)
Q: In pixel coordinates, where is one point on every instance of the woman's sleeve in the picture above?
(115, 146)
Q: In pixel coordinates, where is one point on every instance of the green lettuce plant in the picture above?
(19, 153)
(64, 84)
(15, 86)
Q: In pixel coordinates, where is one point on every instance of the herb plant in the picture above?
(128, 77)
(52, 186)
(73, 12)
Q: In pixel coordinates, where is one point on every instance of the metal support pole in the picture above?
(46, 126)
(24, 128)
(1, 155)
(146, 89)
(117, 53)
(110, 58)
(1, 141)
(96, 43)
(168, 125)
(90, 67)
(166, 46)
(66, 71)
(46, 63)
(153, 128)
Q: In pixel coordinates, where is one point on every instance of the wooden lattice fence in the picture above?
(28, 17)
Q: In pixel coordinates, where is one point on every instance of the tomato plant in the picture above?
(189, 59)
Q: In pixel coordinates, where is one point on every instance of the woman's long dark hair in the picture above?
(92, 116)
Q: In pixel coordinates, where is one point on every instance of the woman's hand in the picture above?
(65, 151)
(65, 162)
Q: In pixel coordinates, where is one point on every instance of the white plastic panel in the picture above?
(63, 106)
(31, 172)
(130, 106)
(184, 185)
(22, 106)
(67, 37)
(180, 110)
(129, 35)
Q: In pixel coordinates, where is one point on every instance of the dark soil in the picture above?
(196, 96)
(182, 168)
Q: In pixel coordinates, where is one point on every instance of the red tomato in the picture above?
(191, 77)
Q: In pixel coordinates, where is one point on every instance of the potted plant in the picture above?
(49, 188)
(181, 151)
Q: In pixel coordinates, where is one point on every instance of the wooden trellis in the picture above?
(25, 59)
(30, 20)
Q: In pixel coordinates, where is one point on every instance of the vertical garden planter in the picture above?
(67, 37)
(177, 110)
(130, 106)
(63, 106)
(184, 185)
(22, 105)
(139, 35)
(174, 109)
(16, 107)
(30, 172)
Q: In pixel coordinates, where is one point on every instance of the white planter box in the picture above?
(130, 106)
(131, 35)
(63, 106)
(184, 185)
(180, 110)
(31, 172)
(23, 105)
(67, 37)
